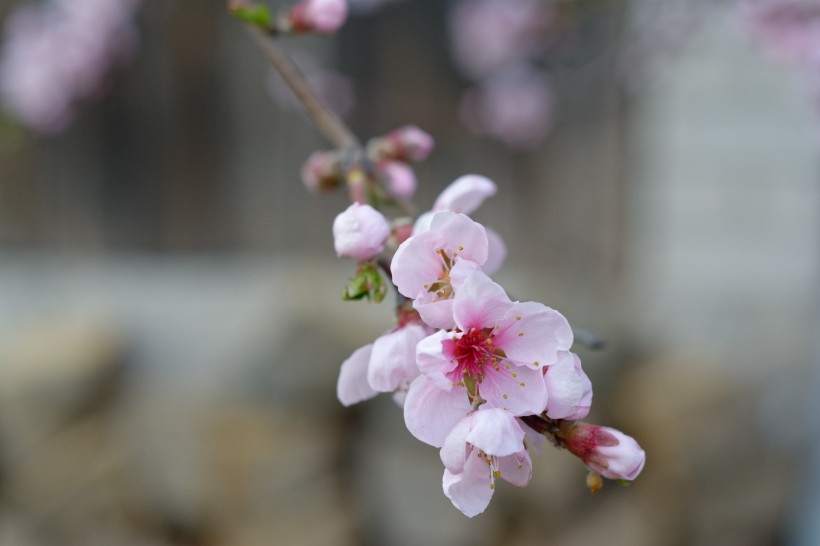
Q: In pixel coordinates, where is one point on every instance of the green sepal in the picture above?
(624, 483)
(368, 283)
(255, 14)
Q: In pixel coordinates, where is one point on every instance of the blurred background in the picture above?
(170, 323)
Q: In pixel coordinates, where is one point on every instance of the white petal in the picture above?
(496, 432)
(470, 490)
(353, 386)
(431, 413)
(455, 450)
(394, 358)
(465, 194)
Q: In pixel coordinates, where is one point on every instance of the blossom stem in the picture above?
(325, 119)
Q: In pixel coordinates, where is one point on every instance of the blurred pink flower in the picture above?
(56, 55)
(488, 34)
(399, 177)
(321, 171)
(322, 16)
(789, 29)
(514, 107)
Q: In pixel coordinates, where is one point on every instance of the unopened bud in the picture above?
(360, 232)
(322, 16)
(399, 177)
(408, 143)
(322, 172)
(607, 451)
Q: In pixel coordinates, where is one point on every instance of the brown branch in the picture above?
(325, 119)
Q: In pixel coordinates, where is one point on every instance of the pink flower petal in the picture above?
(415, 264)
(394, 358)
(465, 195)
(470, 490)
(532, 334)
(516, 469)
(480, 303)
(519, 390)
(495, 432)
(430, 413)
(458, 233)
(437, 314)
(496, 252)
(569, 389)
(352, 386)
(433, 361)
(455, 450)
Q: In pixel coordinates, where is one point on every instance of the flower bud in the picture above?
(409, 143)
(607, 451)
(399, 177)
(360, 232)
(322, 16)
(321, 172)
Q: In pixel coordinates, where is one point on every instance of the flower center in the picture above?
(441, 287)
(473, 353)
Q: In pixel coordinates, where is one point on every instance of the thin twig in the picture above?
(325, 119)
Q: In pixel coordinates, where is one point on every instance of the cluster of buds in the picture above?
(59, 54)
(478, 375)
(386, 160)
(307, 16)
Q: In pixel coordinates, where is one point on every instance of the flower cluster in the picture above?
(479, 376)
(389, 156)
(58, 54)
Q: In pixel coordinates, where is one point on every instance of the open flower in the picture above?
(360, 232)
(464, 196)
(428, 267)
(484, 446)
(607, 451)
(493, 358)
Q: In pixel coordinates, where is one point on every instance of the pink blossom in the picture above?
(321, 171)
(399, 177)
(488, 34)
(513, 106)
(493, 357)
(408, 143)
(387, 365)
(465, 195)
(56, 55)
(484, 446)
(322, 16)
(428, 267)
(568, 387)
(790, 29)
(360, 232)
(607, 451)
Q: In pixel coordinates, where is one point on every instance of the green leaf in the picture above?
(255, 14)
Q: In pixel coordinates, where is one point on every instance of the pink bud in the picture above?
(409, 143)
(322, 16)
(399, 177)
(321, 171)
(360, 232)
(607, 451)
